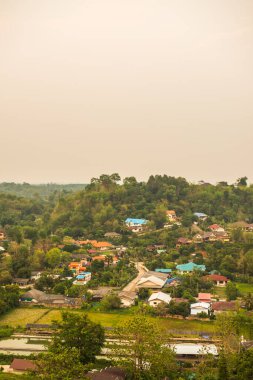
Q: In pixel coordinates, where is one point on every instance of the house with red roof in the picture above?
(216, 228)
(217, 279)
(204, 297)
(221, 306)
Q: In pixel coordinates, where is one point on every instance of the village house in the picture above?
(82, 279)
(197, 239)
(222, 236)
(217, 279)
(172, 282)
(200, 307)
(171, 215)
(127, 298)
(152, 280)
(77, 267)
(183, 241)
(209, 237)
(216, 228)
(157, 298)
(40, 298)
(98, 245)
(221, 306)
(136, 225)
(204, 297)
(189, 268)
(193, 351)
(22, 282)
(201, 216)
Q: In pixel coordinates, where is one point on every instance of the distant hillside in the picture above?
(44, 190)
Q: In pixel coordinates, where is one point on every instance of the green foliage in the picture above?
(77, 331)
(146, 356)
(60, 363)
(9, 298)
(231, 291)
(181, 308)
(111, 302)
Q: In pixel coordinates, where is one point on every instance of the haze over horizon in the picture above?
(137, 87)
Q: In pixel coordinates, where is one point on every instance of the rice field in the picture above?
(21, 316)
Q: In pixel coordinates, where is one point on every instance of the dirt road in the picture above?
(131, 287)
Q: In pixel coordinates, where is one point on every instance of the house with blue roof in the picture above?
(163, 270)
(201, 215)
(136, 225)
(82, 278)
(190, 267)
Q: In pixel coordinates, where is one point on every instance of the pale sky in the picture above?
(137, 87)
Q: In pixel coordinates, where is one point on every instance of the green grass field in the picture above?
(245, 288)
(22, 316)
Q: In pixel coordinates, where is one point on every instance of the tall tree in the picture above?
(79, 332)
(146, 355)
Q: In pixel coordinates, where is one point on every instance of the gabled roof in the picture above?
(204, 296)
(200, 214)
(154, 279)
(160, 296)
(190, 267)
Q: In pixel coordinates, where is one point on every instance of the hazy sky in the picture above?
(137, 87)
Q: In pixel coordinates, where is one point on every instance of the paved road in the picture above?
(131, 287)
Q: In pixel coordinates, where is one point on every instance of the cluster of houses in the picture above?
(140, 225)
(161, 278)
(205, 304)
(38, 297)
(215, 233)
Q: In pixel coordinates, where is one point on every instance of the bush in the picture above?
(111, 302)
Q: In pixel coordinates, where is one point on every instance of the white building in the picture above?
(200, 307)
(159, 297)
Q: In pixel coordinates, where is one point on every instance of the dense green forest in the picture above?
(43, 190)
(105, 203)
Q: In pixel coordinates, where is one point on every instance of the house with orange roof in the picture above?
(77, 267)
(102, 245)
(204, 297)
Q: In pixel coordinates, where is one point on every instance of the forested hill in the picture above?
(106, 202)
(43, 190)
